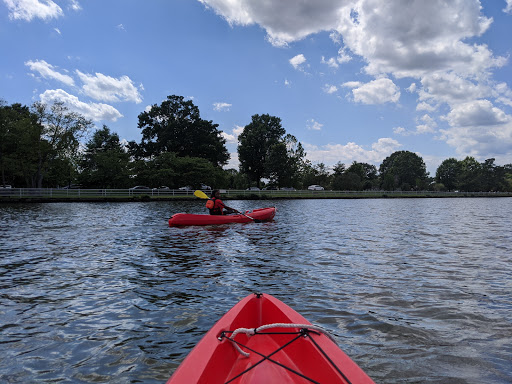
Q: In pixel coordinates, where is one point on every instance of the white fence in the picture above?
(54, 193)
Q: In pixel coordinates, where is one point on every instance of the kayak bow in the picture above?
(262, 340)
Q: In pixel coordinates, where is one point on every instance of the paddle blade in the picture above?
(200, 194)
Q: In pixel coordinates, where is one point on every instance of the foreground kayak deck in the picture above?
(184, 219)
(289, 350)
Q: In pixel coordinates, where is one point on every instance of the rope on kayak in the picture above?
(305, 330)
(301, 334)
(253, 331)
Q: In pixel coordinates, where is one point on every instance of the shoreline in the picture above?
(90, 196)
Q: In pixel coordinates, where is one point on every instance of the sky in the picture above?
(352, 80)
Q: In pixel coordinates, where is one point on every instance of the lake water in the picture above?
(414, 290)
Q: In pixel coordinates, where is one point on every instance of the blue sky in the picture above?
(353, 80)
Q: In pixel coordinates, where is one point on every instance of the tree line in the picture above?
(50, 146)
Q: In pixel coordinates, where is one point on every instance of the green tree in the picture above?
(39, 145)
(507, 177)
(176, 126)
(337, 176)
(177, 171)
(285, 162)
(470, 176)
(339, 168)
(404, 170)
(316, 174)
(16, 124)
(233, 180)
(258, 139)
(57, 137)
(491, 176)
(367, 174)
(448, 173)
(105, 162)
(350, 181)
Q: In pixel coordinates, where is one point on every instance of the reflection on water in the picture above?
(414, 290)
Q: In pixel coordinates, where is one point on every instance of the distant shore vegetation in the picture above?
(49, 146)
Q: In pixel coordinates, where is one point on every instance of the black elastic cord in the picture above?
(330, 361)
(269, 359)
(302, 333)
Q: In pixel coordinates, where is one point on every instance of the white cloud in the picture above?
(401, 131)
(508, 8)
(232, 138)
(451, 88)
(429, 125)
(48, 71)
(477, 113)
(378, 91)
(479, 129)
(328, 88)
(332, 62)
(233, 162)
(425, 124)
(75, 6)
(413, 38)
(332, 153)
(93, 111)
(314, 125)
(401, 37)
(106, 88)
(344, 55)
(352, 84)
(30, 9)
(221, 106)
(297, 61)
(425, 107)
(302, 18)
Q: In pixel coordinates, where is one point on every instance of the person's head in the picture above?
(216, 193)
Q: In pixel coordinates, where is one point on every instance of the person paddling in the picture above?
(216, 206)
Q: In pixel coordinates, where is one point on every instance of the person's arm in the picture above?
(228, 209)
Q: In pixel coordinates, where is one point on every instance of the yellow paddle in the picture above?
(203, 195)
(200, 194)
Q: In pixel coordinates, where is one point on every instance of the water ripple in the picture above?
(414, 290)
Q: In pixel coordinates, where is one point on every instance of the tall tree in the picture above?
(176, 126)
(491, 175)
(404, 170)
(285, 162)
(58, 138)
(256, 142)
(16, 125)
(105, 162)
(470, 176)
(367, 173)
(448, 173)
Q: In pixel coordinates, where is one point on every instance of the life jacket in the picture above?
(215, 209)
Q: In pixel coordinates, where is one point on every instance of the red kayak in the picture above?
(182, 219)
(262, 340)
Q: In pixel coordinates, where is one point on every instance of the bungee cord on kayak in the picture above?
(306, 330)
(253, 331)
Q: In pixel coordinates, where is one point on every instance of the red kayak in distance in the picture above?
(262, 340)
(257, 215)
